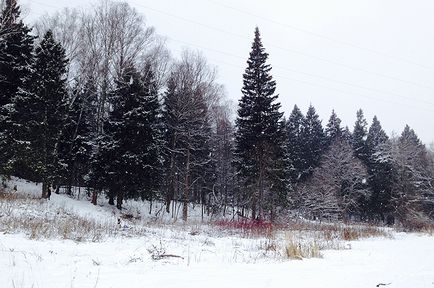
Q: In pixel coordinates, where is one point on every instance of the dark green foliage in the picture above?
(259, 142)
(347, 135)
(380, 171)
(132, 142)
(360, 133)
(314, 141)
(77, 138)
(333, 129)
(296, 144)
(16, 47)
(40, 111)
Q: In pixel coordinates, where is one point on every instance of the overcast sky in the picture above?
(335, 54)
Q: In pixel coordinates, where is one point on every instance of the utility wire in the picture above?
(319, 35)
(307, 83)
(306, 73)
(349, 67)
(278, 67)
(358, 69)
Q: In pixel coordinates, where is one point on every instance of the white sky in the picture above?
(341, 54)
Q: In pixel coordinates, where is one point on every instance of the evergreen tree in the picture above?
(16, 47)
(39, 112)
(333, 129)
(296, 144)
(77, 138)
(258, 139)
(380, 170)
(347, 135)
(134, 138)
(314, 141)
(359, 136)
(375, 137)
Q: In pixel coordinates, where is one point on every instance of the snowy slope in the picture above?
(196, 255)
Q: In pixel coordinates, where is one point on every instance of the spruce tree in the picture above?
(39, 112)
(314, 141)
(375, 137)
(76, 141)
(347, 136)
(133, 137)
(296, 144)
(380, 171)
(359, 136)
(333, 129)
(16, 47)
(258, 139)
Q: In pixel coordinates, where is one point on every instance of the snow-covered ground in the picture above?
(163, 254)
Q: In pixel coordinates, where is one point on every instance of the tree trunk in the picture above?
(45, 194)
(186, 187)
(254, 202)
(94, 197)
(171, 189)
(119, 199)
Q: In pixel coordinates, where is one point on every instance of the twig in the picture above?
(383, 284)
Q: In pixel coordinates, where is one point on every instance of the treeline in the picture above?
(93, 99)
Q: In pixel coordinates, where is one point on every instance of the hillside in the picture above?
(81, 245)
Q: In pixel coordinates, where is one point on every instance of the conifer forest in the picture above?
(93, 100)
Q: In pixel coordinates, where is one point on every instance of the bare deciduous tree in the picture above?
(101, 41)
(338, 186)
(412, 196)
(191, 94)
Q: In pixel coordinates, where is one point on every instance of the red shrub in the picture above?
(247, 227)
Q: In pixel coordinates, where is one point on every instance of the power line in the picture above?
(307, 83)
(319, 35)
(44, 4)
(279, 67)
(306, 73)
(358, 69)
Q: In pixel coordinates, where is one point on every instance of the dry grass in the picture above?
(418, 224)
(298, 240)
(38, 220)
(297, 250)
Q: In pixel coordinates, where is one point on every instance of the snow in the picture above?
(407, 261)
(210, 257)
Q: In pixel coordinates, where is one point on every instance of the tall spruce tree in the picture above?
(296, 144)
(134, 138)
(39, 111)
(314, 141)
(380, 171)
(347, 135)
(333, 129)
(16, 47)
(259, 143)
(359, 136)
